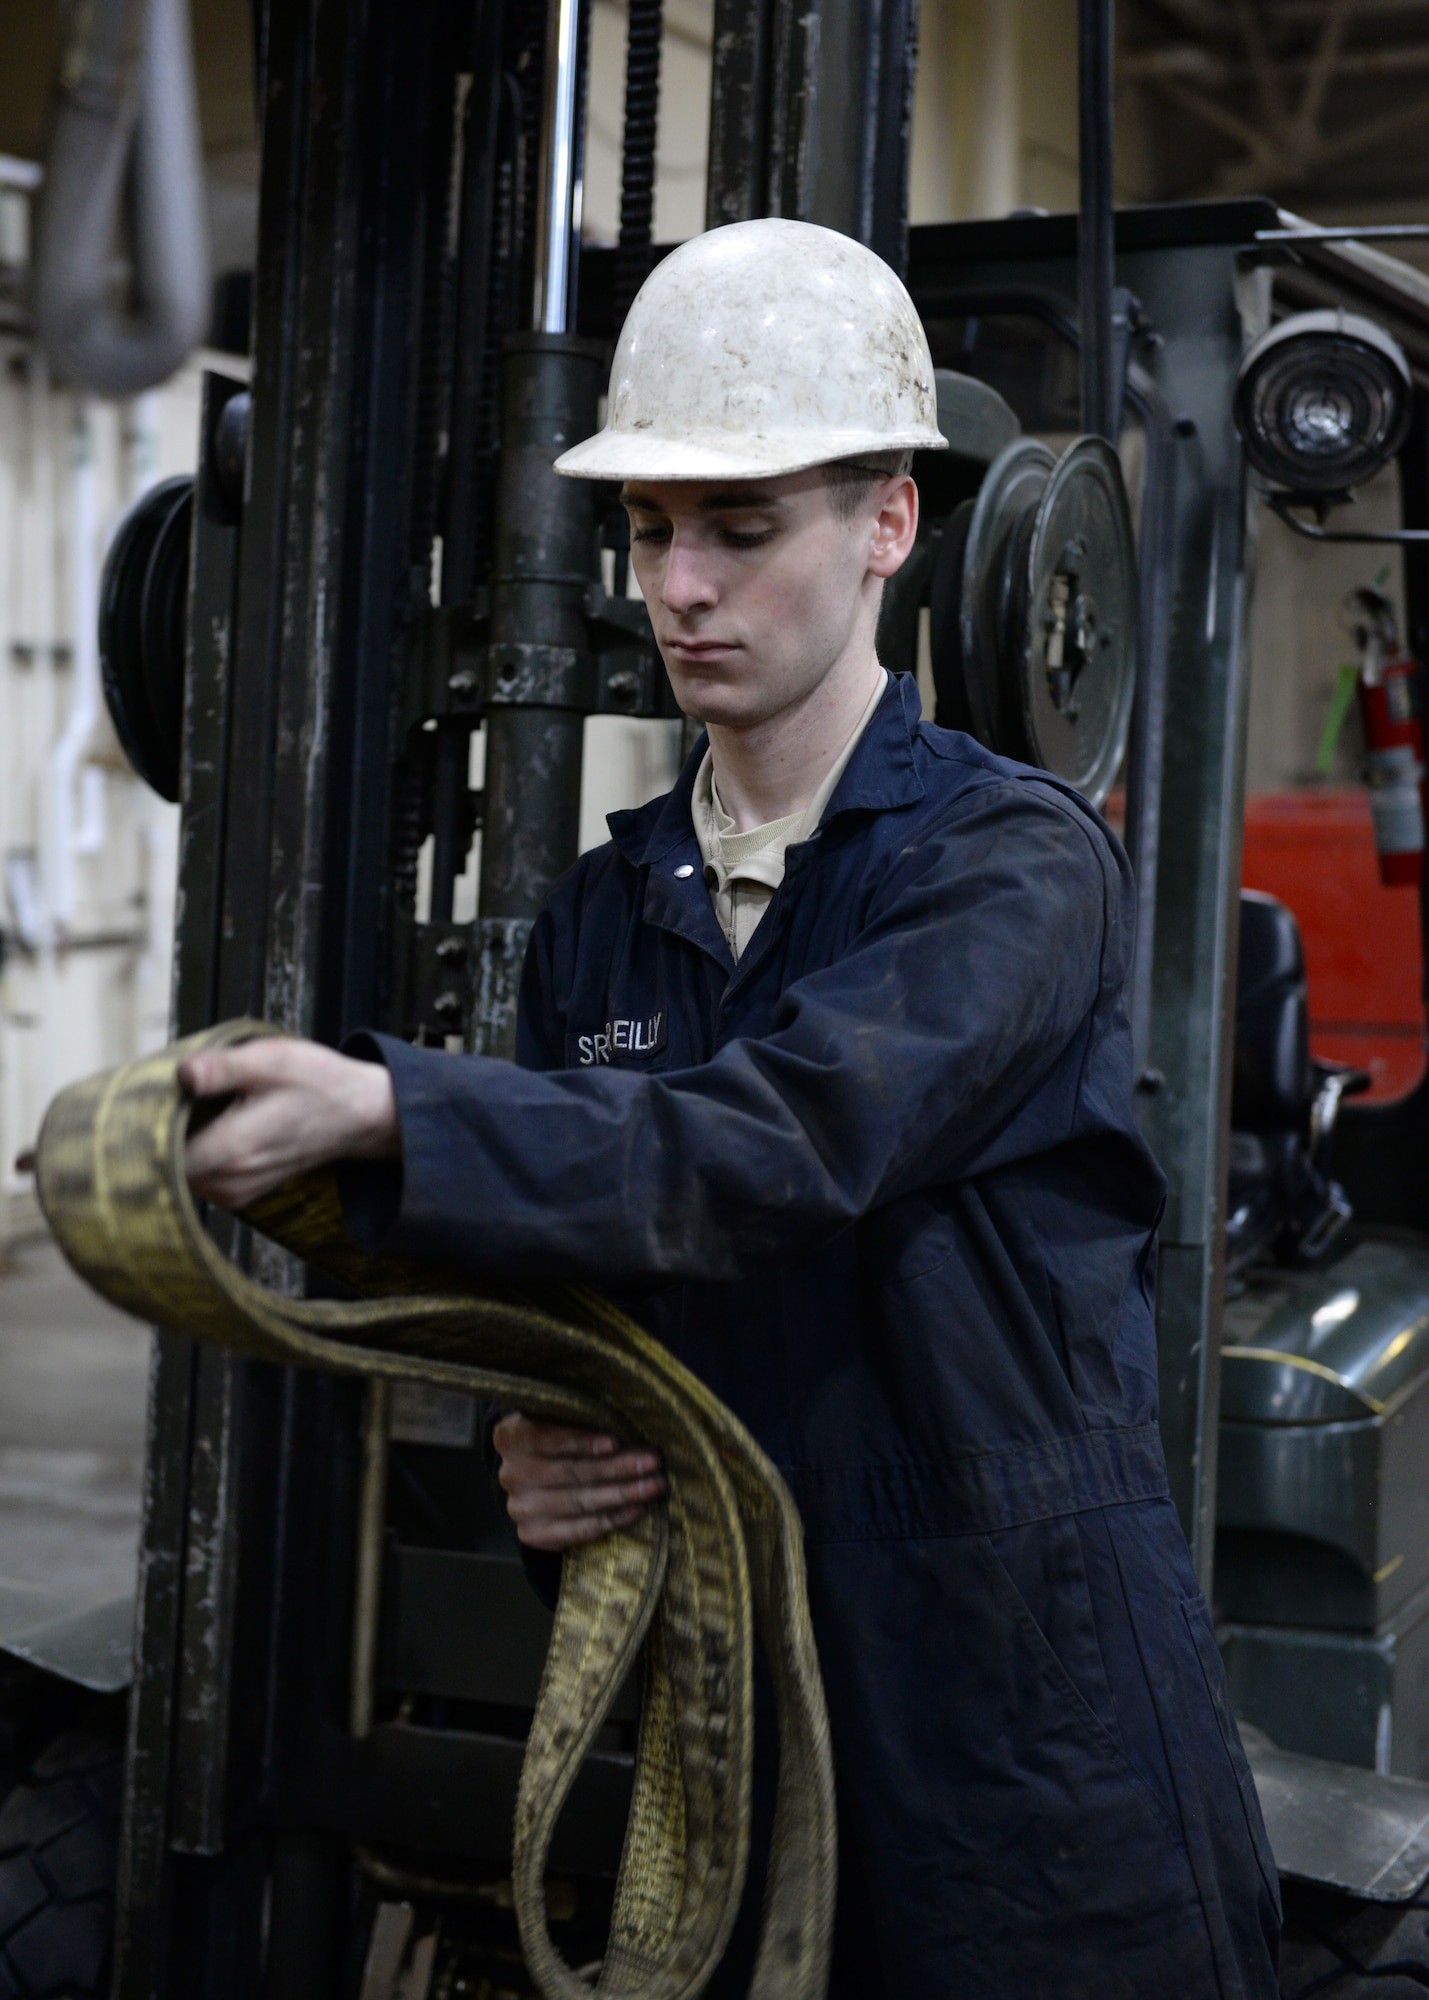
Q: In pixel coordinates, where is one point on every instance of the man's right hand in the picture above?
(296, 1106)
(566, 1486)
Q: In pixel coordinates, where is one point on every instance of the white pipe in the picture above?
(23, 176)
(44, 598)
(67, 833)
(557, 180)
(91, 826)
(994, 182)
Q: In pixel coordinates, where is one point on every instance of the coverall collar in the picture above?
(881, 775)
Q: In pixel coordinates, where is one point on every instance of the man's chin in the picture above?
(706, 699)
(724, 713)
(733, 692)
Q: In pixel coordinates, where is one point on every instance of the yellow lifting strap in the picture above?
(692, 1581)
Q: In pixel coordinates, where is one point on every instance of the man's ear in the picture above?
(895, 526)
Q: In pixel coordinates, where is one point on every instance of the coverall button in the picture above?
(684, 871)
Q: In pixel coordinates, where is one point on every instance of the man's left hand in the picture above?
(566, 1486)
(297, 1106)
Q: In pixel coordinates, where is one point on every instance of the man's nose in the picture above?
(688, 585)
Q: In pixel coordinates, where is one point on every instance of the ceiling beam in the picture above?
(1211, 112)
(1268, 82)
(1322, 70)
(1305, 13)
(1202, 17)
(1267, 170)
(1190, 62)
(1220, 20)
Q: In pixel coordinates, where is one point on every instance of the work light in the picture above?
(1323, 402)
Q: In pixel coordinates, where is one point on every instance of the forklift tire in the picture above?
(1345, 1949)
(59, 1837)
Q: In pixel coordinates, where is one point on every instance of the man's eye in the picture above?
(748, 538)
(651, 535)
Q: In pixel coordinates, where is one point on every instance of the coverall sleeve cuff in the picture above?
(370, 1191)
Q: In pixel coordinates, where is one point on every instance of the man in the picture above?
(824, 1068)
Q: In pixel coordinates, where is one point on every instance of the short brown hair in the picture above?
(849, 478)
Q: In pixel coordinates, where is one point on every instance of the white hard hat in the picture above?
(758, 349)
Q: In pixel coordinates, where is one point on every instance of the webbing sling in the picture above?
(692, 1581)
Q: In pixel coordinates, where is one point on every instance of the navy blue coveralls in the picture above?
(881, 1187)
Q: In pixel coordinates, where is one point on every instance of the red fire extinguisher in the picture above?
(1388, 695)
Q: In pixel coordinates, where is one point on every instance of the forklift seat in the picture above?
(1283, 1205)
(1273, 1083)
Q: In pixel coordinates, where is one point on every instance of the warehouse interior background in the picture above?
(1321, 104)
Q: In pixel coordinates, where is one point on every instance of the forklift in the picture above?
(360, 647)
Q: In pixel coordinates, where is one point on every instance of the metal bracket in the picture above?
(455, 669)
(1281, 504)
(441, 674)
(435, 974)
(1373, 232)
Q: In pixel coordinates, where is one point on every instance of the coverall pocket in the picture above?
(1097, 1737)
(1010, 1853)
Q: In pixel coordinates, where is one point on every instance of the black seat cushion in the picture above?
(1283, 1206)
(1273, 1082)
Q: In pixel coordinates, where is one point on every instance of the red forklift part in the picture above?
(1315, 850)
(1394, 755)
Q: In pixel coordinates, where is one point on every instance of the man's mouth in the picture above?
(701, 649)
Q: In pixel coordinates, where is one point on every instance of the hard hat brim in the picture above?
(623, 455)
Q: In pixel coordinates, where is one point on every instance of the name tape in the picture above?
(621, 1037)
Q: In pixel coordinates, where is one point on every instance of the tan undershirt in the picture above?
(742, 870)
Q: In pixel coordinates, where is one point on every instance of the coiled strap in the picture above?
(691, 1582)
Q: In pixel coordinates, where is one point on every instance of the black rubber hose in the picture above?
(637, 166)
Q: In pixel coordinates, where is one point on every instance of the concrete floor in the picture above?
(73, 1381)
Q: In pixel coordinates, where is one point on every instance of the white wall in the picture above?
(995, 112)
(1299, 639)
(87, 903)
(683, 133)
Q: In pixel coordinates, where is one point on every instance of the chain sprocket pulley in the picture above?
(1033, 612)
(143, 600)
